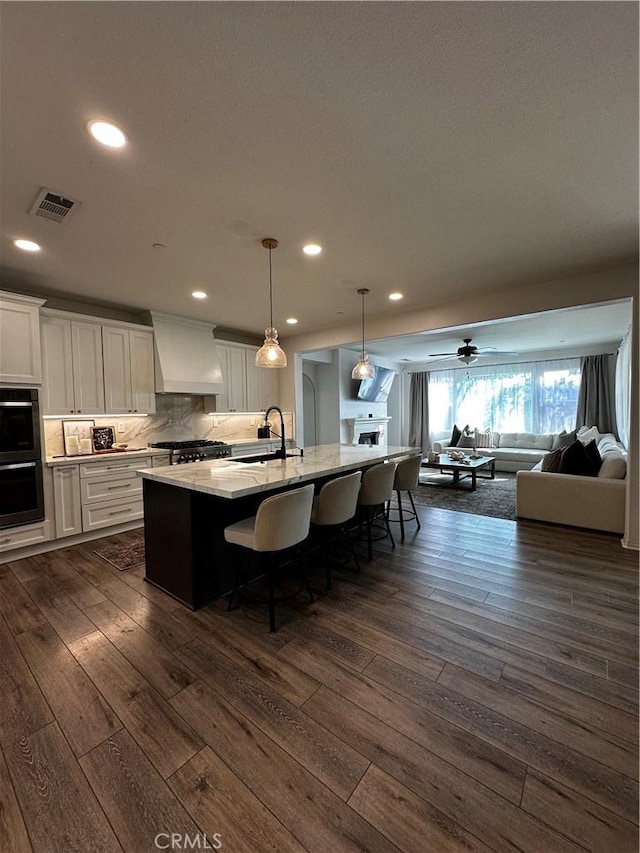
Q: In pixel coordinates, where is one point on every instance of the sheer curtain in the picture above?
(623, 388)
(540, 396)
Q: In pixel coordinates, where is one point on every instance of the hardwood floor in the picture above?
(474, 690)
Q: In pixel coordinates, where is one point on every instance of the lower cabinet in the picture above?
(23, 536)
(92, 495)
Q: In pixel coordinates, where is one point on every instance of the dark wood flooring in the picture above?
(474, 690)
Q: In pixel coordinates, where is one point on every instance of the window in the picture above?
(539, 397)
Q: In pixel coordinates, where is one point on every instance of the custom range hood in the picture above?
(186, 356)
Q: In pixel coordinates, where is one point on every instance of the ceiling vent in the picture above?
(52, 206)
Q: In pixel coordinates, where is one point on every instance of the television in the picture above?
(376, 390)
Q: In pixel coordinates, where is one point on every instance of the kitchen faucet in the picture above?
(282, 453)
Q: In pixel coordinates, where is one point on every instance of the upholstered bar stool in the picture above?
(281, 523)
(375, 494)
(406, 478)
(335, 505)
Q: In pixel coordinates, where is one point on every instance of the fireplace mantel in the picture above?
(358, 426)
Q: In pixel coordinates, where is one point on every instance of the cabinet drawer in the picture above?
(114, 466)
(110, 487)
(160, 460)
(108, 513)
(20, 537)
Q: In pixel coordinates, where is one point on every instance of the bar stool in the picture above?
(335, 505)
(375, 494)
(406, 479)
(281, 523)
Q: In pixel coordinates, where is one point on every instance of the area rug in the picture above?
(495, 498)
(123, 556)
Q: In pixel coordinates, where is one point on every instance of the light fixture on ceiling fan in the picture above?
(363, 369)
(468, 354)
(270, 353)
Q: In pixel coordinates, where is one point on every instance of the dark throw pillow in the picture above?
(455, 436)
(593, 454)
(576, 460)
(564, 439)
(551, 461)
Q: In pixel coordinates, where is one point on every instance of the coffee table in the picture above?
(463, 470)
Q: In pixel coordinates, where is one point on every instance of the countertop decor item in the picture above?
(77, 430)
(270, 353)
(102, 438)
(363, 369)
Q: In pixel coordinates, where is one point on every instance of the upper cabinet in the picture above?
(72, 361)
(91, 368)
(247, 388)
(128, 370)
(20, 358)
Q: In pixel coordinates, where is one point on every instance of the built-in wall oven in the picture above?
(21, 492)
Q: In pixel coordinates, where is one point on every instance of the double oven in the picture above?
(21, 490)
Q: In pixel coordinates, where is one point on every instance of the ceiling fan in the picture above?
(467, 354)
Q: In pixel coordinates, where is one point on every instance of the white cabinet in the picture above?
(93, 368)
(160, 460)
(26, 534)
(247, 388)
(111, 492)
(73, 373)
(20, 357)
(128, 370)
(66, 498)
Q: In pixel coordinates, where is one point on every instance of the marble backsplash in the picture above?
(178, 418)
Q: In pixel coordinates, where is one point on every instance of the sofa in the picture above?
(513, 451)
(595, 503)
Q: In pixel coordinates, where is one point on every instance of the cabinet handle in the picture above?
(114, 467)
(120, 511)
(121, 486)
(6, 541)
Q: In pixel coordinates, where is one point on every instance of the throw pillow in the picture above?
(455, 436)
(575, 460)
(551, 461)
(593, 454)
(587, 434)
(564, 439)
(484, 438)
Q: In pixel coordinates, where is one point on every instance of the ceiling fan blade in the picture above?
(436, 354)
(496, 352)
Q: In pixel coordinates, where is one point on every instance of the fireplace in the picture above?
(371, 430)
(369, 437)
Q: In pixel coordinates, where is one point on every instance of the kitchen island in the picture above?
(187, 507)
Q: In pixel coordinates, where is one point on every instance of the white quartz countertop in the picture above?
(81, 458)
(229, 478)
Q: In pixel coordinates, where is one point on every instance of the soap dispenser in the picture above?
(264, 431)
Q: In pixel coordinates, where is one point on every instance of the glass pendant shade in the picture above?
(271, 353)
(363, 369)
(467, 359)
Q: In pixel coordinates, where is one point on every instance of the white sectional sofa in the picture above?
(513, 451)
(595, 503)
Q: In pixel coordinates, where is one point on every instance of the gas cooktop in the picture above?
(186, 445)
(194, 450)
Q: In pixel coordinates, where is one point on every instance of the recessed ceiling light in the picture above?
(312, 249)
(291, 321)
(396, 295)
(199, 294)
(27, 245)
(107, 134)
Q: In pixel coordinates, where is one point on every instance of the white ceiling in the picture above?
(436, 148)
(552, 331)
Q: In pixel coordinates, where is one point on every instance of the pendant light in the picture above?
(270, 353)
(363, 369)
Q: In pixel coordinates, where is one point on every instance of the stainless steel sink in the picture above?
(262, 457)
